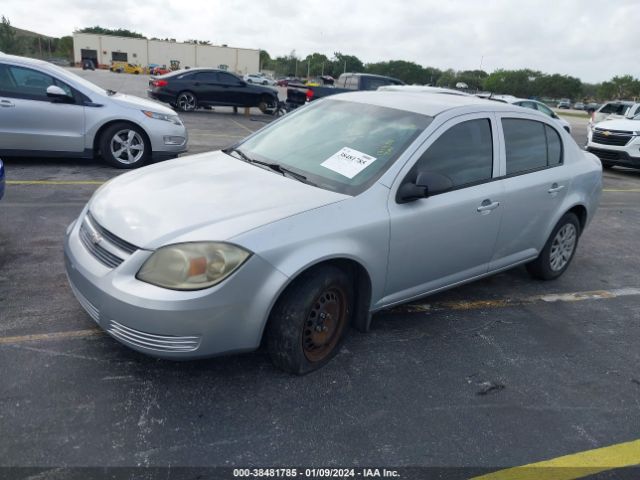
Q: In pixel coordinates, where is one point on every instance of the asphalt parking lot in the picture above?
(501, 372)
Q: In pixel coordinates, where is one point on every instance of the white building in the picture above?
(103, 49)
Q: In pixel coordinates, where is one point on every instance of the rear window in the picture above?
(373, 83)
(530, 145)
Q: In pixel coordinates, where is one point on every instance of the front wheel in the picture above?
(124, 146)
(558, 251)
(308, 323)
(187, 102)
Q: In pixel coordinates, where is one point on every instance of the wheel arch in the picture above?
(579, 211)
(362, 287)
(100, 131)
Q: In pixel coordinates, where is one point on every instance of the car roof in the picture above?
(422, 89)
(425, 103)
(33, 62)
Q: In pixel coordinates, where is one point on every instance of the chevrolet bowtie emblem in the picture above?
(606, 133)
(95, 237)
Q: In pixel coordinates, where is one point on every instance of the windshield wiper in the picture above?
(276, 167)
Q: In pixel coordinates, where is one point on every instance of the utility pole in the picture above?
(308, 68)
(345, 67)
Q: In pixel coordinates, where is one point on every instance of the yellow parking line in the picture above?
(51, 336)
(55, 182)
(513, 302)
(242, 126)
(621, 189)
(577, 465)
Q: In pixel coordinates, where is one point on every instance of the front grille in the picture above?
(606, 154)
(117, 241)
(100, 243)
(101, 254)
(91, 309)
(160, 343)
(613, 137)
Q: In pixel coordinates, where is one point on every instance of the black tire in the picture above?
(310, 319)
(543, 267)
(137, 143)
(187, 101)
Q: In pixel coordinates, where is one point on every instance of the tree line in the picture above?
(522, 83)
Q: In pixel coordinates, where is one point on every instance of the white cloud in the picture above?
(590, 39)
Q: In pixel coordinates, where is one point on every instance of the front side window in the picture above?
(464, 153)
(337, 145)
(19, 82)
(530, 145)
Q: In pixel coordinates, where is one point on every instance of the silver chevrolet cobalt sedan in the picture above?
(345, 207)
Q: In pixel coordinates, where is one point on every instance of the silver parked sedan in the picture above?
(48, 111)
(347, 206)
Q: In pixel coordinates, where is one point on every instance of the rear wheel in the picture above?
(558, 251)
(308, 323)
(124, 145)
(187, 102)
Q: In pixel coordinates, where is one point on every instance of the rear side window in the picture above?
(464, 153)
(530, 145)
(209, 77)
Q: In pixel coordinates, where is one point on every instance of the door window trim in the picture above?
(509, 116)
(497, 147)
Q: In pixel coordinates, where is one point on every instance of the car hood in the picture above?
(210, 196)
(131, 101)
(621, 124)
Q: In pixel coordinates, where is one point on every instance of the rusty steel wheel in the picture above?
(325, 324)
(310, 319)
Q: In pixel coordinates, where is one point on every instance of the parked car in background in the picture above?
(578, 106)
(2, 179)
(124, 67)
(258, 78)
(616, 142)
(51, 112)
(298, 95)
(88, 64)
(309, 226)
(616, 109)
(533, 105)
(190, 89)
(283, 82)
(564, 103)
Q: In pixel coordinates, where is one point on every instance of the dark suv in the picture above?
(189, 89)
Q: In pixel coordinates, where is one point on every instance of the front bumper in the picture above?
(613, 156)
(229, 317)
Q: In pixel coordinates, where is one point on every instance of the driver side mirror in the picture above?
(58, 94)
(426, 184)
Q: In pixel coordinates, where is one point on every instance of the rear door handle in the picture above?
(555, 188)
(487, 205)
(6, 104)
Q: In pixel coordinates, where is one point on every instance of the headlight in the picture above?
(163, 116)
(192, 266)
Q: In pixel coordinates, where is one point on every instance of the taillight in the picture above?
(159, 83)
(309, 94)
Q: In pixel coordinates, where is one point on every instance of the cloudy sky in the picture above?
(591, 39)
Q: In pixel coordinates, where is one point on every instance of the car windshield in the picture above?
(338, 145)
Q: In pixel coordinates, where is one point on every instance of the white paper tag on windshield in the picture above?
(348, 162)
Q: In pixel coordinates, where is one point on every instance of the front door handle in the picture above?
(487, 205)
(555, 188)
(6, 104)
